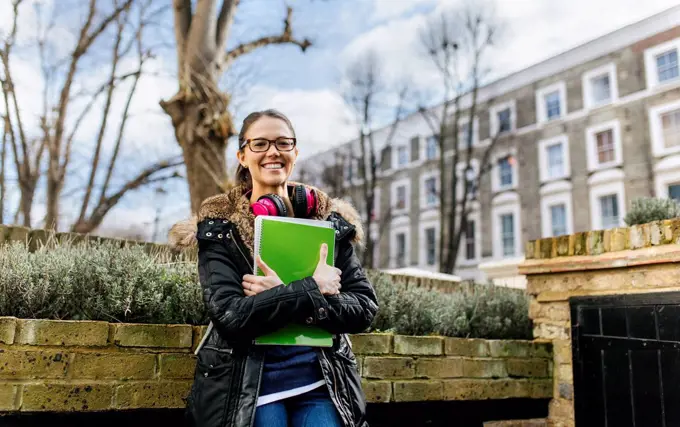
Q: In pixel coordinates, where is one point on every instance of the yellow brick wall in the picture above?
(630, 260)
(60, 366)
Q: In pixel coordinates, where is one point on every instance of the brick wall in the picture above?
(637, 259)
(92, 366)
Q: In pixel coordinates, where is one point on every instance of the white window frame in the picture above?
(398, 228)
(601, 184)
(423, 150)
(393, 196)
(541, 112)
(460, 170)
(503, 204)
(495, 181)
(543, 157)
(423, 194)
(563, 197)
(651, 72)
(475, 216)
(422, 244)
(493, 117)
(656, 130)
(591, 142)
(608, 69)
(463, 121)
(395, 156)
(666, 172)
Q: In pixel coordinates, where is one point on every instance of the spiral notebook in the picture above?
(290, 247)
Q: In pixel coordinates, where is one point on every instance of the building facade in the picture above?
(582, 135)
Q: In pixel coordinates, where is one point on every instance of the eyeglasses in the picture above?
(260, 145)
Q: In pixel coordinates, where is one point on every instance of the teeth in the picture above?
(273, 166)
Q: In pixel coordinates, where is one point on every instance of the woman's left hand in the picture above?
(253, 285)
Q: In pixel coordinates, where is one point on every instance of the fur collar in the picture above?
(235, 207)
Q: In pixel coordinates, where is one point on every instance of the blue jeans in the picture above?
(311, 409)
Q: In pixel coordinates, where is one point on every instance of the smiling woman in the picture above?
(238, 383)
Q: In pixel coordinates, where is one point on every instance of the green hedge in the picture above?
(647, 209)
(105, 282)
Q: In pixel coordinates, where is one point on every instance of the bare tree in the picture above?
(456, 42)
(3, 171)
(199, 109)
(369, 96)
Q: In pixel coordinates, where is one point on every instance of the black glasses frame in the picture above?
(269, 144)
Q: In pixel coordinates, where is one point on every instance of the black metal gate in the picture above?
(626, 355)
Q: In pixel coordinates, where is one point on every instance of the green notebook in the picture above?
(290, 247)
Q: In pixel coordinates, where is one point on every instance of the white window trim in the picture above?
(656, 130)
(393, 196)
(423, 194)
(463, 121)
(422, 244)
(541, 113)
(602, 189)
(610, 70)
(462, 261)
(543, 158)
(493, 117)
(666, 172)
(395, 155)
(547, 201)
(495, 182)
(591, 142)
(423, 149)
(460, 170)
(406, 229)
(651, 71)
(504, 204)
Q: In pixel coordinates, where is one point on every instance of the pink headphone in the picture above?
(304, 203)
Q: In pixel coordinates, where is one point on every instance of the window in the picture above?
(470, 249)
(600, 86)
(661, 63)
(431, 147)
(502, 118)
(667, 65)
(402, 156)
(670, 124)
(504, 124)
(508, 234)
(552, 105)
(551, 102)
(674, 192)
(553, 157)
(609, 211)
(401, 250)
(430, 246)
(558, 220)
(401, 197)
(604, 145)
(505, 171)
(431, 191)
(464, 134)
(555, 160)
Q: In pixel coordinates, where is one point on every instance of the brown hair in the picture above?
(243, 174)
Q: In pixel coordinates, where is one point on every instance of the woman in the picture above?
(238, 383)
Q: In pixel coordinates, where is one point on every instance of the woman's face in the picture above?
(272, 167)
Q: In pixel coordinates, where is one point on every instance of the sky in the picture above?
(305, 86)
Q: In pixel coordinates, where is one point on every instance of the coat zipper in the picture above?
(231, 237)
(334, 397)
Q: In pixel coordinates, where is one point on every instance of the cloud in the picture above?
(321, 117)
(389, 9)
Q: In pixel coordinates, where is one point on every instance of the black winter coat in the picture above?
(229, 367)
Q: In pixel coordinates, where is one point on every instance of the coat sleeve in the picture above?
(235, 315)
(354, 308)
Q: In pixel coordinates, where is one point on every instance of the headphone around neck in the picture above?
(304, 203)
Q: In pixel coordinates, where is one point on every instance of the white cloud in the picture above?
(388, 9)
(321, 117)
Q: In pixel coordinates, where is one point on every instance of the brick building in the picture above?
(584, 133)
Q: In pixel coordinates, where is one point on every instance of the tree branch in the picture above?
(285, 37)
(182, 14)
(224, 21)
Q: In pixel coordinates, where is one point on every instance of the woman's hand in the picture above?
(327, 277)
(253, 285)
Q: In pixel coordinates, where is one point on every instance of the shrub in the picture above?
(646, 210)
(104, 282)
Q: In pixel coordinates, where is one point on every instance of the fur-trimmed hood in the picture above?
(235, 207)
